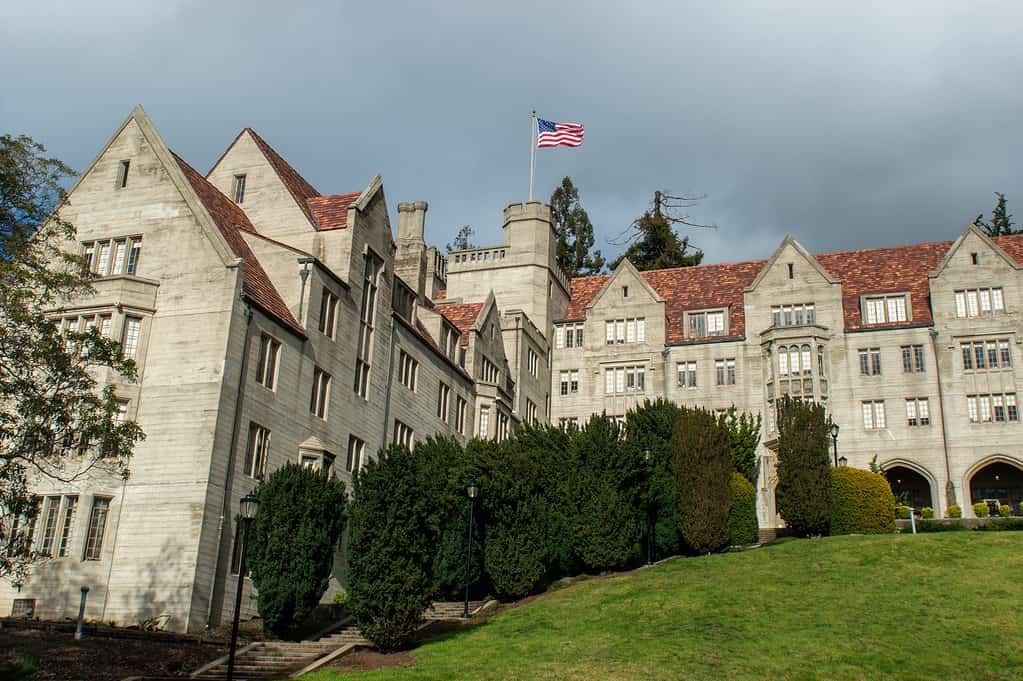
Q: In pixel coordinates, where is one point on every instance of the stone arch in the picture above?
(912, 479)
(996, 477)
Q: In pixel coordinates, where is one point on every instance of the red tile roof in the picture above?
(865, 271)
(462, 315)
(300, 189)
(231, 220)
(331, 212)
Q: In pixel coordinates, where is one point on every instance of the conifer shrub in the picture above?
(393, 531)
(804, 467)
(651, 425)
(743, 435)
(981, 510)
(292, 543)
(861, 502)
(955, 511)
(743, 528)
(703, 472)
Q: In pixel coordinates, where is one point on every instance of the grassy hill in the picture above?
(939, 606)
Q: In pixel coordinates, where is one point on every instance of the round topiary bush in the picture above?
(902, 512)
(981, 510)
(1005, 510)
(955, 511)
(861, 502)
(742, 520)
(927, 512)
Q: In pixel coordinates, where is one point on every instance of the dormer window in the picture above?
(239, 188)
(885, 309)
(122, 174)
(705, 324)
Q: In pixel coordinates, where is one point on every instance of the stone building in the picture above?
(272, 323)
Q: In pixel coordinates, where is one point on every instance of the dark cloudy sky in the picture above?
(847, 124)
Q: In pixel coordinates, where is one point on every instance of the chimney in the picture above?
(412, 222)
(410, 259)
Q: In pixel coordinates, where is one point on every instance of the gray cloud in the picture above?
(865, 124)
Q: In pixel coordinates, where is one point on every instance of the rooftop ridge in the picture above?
(299, 188)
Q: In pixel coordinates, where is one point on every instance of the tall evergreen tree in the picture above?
(1001, 220)
(653, 242)
(574, 231)
(804, 467)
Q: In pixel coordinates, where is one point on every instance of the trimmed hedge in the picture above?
(861, 502)
(1005, 510)
(955, 511)
(981, 510)
(902, 512)
(743, 528)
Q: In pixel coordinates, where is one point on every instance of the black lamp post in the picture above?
(649, 509)
(249, 506)
(472, 491)
(834, 439)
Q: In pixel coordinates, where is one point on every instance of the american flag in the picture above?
(551, 134)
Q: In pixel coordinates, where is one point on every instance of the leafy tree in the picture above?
(293, 541)
(575, 232)
(55, 421)
(463, 240)
(651, 425)
(653, 242)
(804, 467)
(744, 435)
(1001, 220)
(392, 539)
(703, 470)
(607, 495)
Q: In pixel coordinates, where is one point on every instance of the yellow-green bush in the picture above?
(1005, 510)
(927, 512)
(861, 502)
(902, 512)
(981, 510)
(955, 511)
(742, 521)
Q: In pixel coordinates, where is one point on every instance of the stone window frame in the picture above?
(907, 300)
(726, 321)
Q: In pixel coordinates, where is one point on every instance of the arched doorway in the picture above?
(998, 480)
(909, 486)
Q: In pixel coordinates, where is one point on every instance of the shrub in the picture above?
(936, 526)
(1000, 524)
(981, 510)
(743, 437)
(861, 502)
(703, 470)
(293, 542)
(1005, 510)
(804, 467)
(652, 425)
(902, 512)
(392, 538)
(927, 512)
(743, 528)
(955, 511)
(606, 496)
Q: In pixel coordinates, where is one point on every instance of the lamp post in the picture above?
(843, 462)
(249, 505)
(472, 491)
(834, 439)
(649, 508)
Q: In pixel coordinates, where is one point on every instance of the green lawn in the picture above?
(938, 606)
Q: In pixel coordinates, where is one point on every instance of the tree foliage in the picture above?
(651, 425)
(463, 240)
(1001, 220)
(743, 435)
(658, 246)
(804, 467)
(703, 470)
(56, 422)
(574, 231)
(743, 527)
(292, 543)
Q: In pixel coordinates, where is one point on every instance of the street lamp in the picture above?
(834, 439)
(649, 509)
(843, 462)
(472, 491)
(248, 507)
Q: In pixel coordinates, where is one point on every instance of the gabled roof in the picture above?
(462, 315)
(231, 221)
(331, 212)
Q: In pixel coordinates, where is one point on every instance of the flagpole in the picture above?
(532, 152)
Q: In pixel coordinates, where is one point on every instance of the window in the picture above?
(618, 331)
(408, 370)
(532, 362)
(269, 356)
(355, 450)
(870, 361)
(490, 373)
(130, 337)
(625, 379)
(530, 411)
(67, 525)
(882, 309)
(792, 271)
(443, 396)
(873, 415)
(725, 370)
(983, 355)
(792, 315)
(113, 256)
(912, 358)
(320, 395)
(403, 434)
(97, 528)
(460, 415)
(987, 408)
(51, 510)
(328, 313)
(917, 411)
(23, 607)
(979, 301)
(257, 451)
(625, 292)
(975, 258)
(686, 374)
(704, 324)
(568, 422)
(367, 314)
(569, 382)
(239, 188)
(568, 335)
(484, 428)
(122, 174)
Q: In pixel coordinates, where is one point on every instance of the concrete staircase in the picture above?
(450, 610)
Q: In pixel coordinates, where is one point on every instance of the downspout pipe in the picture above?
(387, 388)
(225, 509)
(950, 489)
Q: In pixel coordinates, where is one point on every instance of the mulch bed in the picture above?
(368, 660)
(60, 657)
